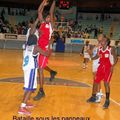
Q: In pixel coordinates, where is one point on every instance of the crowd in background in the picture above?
(20, 28)
(75, 28)
(84, 32)
(98, 17)
(5, 25)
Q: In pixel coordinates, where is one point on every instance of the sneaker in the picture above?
(98, 97)
(39, 95)
(101, 94)
(84, 66)
(29, 105)
(106, 104)
(23, 111)
(52, 75)
(92, 99)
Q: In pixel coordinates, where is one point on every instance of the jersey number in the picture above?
(26, 61)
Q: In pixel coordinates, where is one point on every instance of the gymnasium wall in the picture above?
(76, 44)
(14, 41)
(11, 41)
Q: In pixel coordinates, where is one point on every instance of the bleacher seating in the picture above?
(88, 20)
(116, 34)
(105, 24)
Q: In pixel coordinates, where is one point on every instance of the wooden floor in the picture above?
(61, 101)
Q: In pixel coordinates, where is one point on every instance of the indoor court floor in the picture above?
(65, 97)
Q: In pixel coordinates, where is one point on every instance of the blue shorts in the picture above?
(30, 79)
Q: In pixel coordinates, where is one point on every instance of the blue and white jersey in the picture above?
(95, 62)
(29, 60)
(28, 33)
(95, 50)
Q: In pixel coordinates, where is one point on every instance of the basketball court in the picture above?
(65, 97)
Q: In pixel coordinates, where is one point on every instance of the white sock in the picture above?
(84, 65)
(100, 90)
(23, 105)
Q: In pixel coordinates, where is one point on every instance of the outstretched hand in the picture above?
(46, 2)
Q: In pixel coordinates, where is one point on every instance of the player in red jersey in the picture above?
(45, 32)
(108, 59)
(34, 28)
(95, 65)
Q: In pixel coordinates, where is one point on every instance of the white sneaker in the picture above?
(100, 93)
(98, 100)
(84, 66)
(98, 97)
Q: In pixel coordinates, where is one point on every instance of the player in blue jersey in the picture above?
(30, 66)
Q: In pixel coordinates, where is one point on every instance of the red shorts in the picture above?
(103, 73)
(42, 61)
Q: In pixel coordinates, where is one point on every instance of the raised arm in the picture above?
(33, 27)
(40, 17)
(41, 8)
(52, 12)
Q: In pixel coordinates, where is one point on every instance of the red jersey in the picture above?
(104, 69)
(105, 56)
(45, 35)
